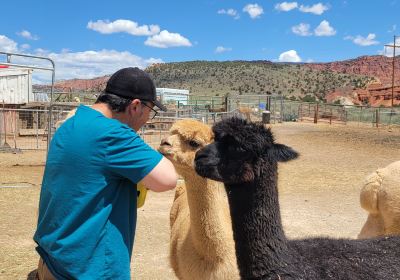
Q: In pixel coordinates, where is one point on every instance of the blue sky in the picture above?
(93, 38)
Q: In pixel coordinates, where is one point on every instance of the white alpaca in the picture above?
(380, 196)
(202, 245)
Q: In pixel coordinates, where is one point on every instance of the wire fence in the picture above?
(27, 129)
(341, 114)
(153, 131)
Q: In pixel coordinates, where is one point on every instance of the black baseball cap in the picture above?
(134, 83)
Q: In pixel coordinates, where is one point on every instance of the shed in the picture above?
(16, 86)
(172, 95)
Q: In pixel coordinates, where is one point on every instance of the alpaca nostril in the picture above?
(200, 156)
(164, 142)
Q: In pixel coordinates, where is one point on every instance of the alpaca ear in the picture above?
(280, 152)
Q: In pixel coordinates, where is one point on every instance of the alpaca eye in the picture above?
(194, 144)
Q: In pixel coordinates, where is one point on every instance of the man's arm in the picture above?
(162, 178)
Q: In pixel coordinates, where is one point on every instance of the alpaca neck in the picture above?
(210, 226)
(261, 245)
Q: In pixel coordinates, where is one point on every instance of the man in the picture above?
(87, 208)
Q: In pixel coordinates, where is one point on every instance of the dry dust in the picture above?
(318, 194)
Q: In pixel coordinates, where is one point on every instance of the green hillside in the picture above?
(294, 81)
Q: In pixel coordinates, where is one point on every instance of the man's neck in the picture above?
(104, 109)
(107, 112)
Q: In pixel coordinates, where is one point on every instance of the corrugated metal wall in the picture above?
(16, 86)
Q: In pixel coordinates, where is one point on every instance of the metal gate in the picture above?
(8, 62)
(252, 106)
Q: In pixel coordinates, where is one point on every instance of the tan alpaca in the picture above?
(245, 111)
(214, 110)
(70, 114)
(202, 245)
(380, 196)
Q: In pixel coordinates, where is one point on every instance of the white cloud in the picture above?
(388, 51)
(123, 25)
(254, 10)
(286, 6)
(153, 60)
(230, 12)
(41, 52)
(289, 56)
(25, 46)
(302, 29)
(317, 9)
(90, 64)
(163, 39)
(70, 65)
(166, 39)
(324, 29)
(221, 49)
(7, 45)
(27, 35)
(363, 41)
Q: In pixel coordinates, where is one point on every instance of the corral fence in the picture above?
(48, 66)
(27, 129)
(249, 106)
(341, 114)
(157, 129)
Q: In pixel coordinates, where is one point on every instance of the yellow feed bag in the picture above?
(141, 194)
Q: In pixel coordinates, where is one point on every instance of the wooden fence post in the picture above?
(299, 112)
(316, 113)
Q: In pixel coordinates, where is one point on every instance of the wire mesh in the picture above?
(27, 129)
(332, 113)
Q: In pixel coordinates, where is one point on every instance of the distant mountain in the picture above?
(377, 66)
(95, 84)
(295, 81)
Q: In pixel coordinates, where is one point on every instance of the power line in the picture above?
(393, 63)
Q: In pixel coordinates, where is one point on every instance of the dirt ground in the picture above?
(318, 194)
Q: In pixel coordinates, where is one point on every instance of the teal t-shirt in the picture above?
(87, 209)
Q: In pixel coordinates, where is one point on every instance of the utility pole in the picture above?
(393, 64)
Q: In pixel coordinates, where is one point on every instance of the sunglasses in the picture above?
(153, 113)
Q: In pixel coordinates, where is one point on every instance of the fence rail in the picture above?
(26, 129)
(343, 114)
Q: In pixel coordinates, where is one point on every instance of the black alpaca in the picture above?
(244, 156)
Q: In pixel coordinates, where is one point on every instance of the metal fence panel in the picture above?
(27, 129)
(332, 113)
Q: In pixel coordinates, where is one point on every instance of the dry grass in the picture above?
(318, 194)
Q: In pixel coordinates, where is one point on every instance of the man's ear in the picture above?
(134, 106)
